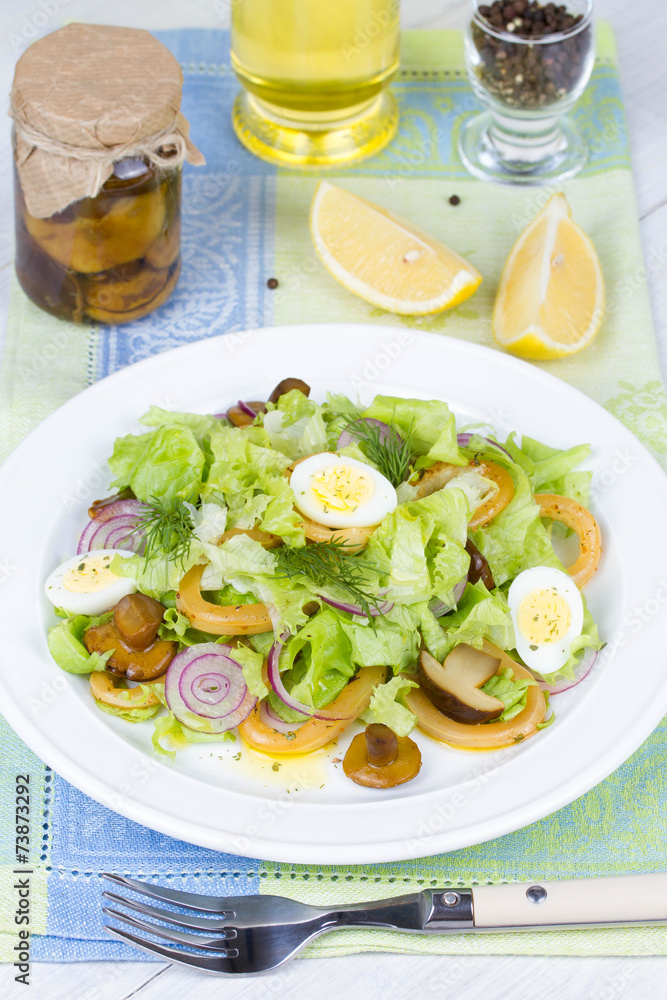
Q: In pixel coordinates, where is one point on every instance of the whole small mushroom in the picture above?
(134, 664)
(241, 417)
(378, 758)
(137, 618)
(287, 385)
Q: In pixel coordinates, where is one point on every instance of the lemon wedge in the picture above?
(385, 259)
(550, 301)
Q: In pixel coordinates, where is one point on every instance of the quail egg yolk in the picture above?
(342, 487)
(89, 575)
(544, 616)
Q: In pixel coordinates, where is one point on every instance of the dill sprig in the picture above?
(385, 447)
(167, 527)
(329, 564)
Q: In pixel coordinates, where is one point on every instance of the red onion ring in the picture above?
(439, 608)
(463, 441)
(355, 609)
(203, 681)
(276, 683)
(114, 527)
(346, 437)
(273, 721)
(581, 672)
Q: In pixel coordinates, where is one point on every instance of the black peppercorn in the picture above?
(522, 75)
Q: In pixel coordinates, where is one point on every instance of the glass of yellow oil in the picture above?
(315, 77)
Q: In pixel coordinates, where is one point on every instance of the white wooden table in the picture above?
(641, 29)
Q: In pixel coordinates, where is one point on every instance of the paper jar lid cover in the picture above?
(87, 96)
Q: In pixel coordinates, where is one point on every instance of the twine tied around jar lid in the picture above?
(87, 96)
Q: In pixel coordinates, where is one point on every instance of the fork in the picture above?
(249, 935)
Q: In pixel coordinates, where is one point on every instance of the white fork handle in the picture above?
(625, 899)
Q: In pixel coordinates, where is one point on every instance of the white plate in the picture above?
(459, 798)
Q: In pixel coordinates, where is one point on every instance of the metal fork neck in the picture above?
(402, 912)
(428, 910)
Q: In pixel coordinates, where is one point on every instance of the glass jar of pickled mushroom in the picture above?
(99, 145)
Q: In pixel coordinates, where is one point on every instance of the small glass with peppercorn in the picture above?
(528, 63)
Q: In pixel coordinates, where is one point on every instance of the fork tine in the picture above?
(176, 937)
(205, 904)
(170, 916)
(215, 964)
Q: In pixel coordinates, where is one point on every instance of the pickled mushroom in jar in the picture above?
(90, 243)
(99, 143)
(126, 288)
(117, 294)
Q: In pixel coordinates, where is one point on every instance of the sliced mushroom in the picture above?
(434, 478)
(378, 758)
(440, 474)
(490, 735)
(287, 385)
(454, 686)
(136, 665)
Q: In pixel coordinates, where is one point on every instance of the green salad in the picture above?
(284, 568)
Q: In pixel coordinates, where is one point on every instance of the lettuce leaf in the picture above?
(296, 426)
(176, 627)
(129, 714)
(294, 406)
(337, 413)
(515, 539)
(65, 642)
(551, 470)
(127, 453)
(386, 706)
(159, 574)
(386, 641)
(480, 614)
(251, 663)
(432, 632)
(201, 425)
(511, 690)
(167, 463)
(431, 421)
(420, 547)
(326, 662)
(169, 736)
(249, 478)
(319, 660)
(338, 404)
(209, 522)
(243, 564)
